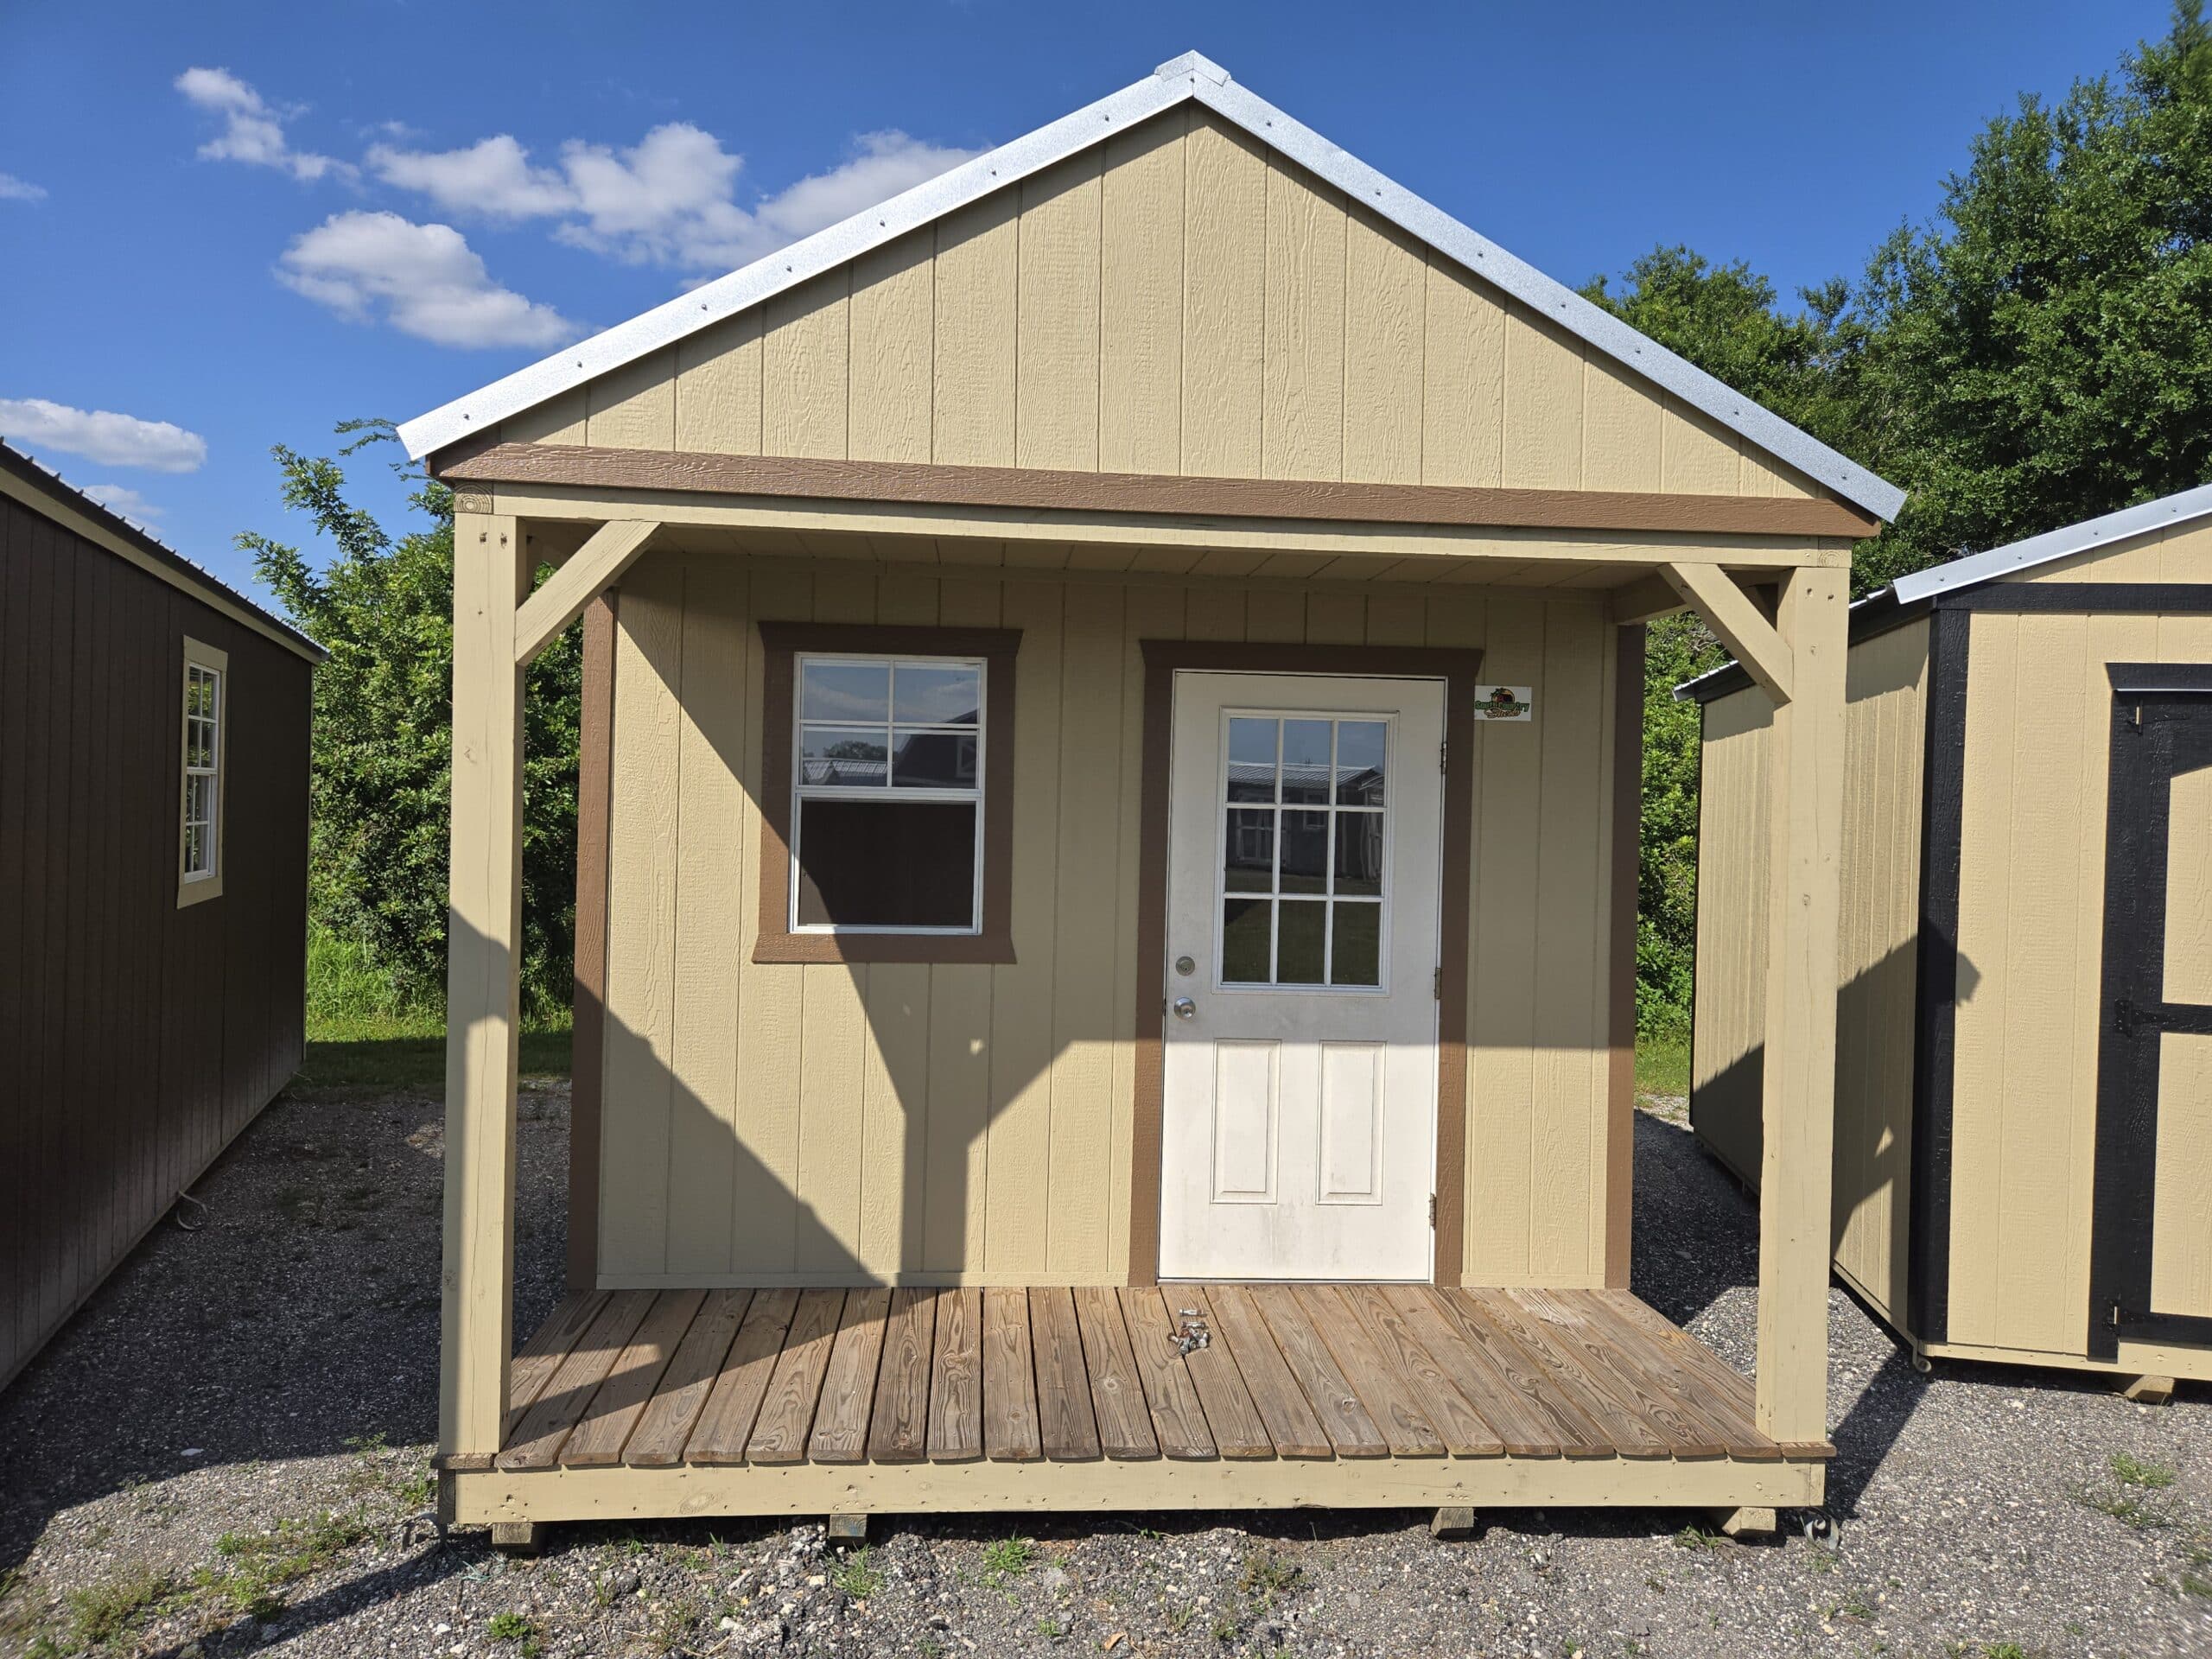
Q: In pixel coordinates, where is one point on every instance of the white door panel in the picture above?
(1300, 1103)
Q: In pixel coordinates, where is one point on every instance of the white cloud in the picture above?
(121, 498)
(493, 179)
(425, 280)
(102, 435)
(253, 131)
(15, 189)
(669, 200)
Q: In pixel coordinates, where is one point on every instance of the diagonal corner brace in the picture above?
(596, 565)
(1728, 611)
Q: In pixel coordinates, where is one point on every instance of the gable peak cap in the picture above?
(1193, 63)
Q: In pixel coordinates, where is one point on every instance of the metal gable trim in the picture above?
(2060, 543)
(1190, 77)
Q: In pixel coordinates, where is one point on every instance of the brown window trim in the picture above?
(783, 641)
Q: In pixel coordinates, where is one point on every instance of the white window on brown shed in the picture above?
(199, 858)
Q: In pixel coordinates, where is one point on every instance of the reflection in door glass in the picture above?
(1252, 760)
(1357, 940)
(1305, 760)
(1360, 745)
(1305, 844)
(1247, 942)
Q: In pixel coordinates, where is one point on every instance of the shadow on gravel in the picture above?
(1696, 1235)
(300, 1321)
(432, 1565)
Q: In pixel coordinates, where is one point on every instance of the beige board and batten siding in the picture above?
(2031, 907)
(1885, 690)
(780, 1123)
(1178, 299)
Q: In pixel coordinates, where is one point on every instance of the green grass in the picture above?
(1663, 1063)
(2134, 1472)
(110, 1611)
(361, 1036)
(1008, 1557)
(857, 1574)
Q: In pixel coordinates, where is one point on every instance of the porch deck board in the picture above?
(955, 1427)
(872, 1376)
(1172, 1399)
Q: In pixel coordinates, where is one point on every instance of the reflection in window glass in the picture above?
(1304, 852)
(1305, 760)
(1301, 942)
(1356, 944)
(841, 756)
(1359, 852)
(1360, 745)
(932, 695)
(1246, 945)
(933, 760)
(1252, 760)
(1248, 851)
(836, 689)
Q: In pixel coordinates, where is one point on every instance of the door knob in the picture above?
(1185, 1008)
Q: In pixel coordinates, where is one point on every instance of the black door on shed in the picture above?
(2156, 1006)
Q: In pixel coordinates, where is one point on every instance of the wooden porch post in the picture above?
(483, 958)
(1806, 818)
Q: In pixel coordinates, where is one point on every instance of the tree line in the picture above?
(2038, 351)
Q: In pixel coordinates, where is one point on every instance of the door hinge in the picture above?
(1432, 1210)
(1441, 750)
(1436, 985)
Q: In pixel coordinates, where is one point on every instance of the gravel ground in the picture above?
(228, 1449)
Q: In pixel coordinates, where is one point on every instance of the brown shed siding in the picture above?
(138, 1038)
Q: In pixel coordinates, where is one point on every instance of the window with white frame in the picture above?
(888, 795)
(203, 770)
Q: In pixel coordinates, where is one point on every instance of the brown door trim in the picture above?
(1163, 658)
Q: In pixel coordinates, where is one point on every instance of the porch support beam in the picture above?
(1798, 1106)
(1035, 489)
(1765, 653)
(595, 567)
(483, 956)
(1767, 551)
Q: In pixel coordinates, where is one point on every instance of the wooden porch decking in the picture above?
(772, 1378)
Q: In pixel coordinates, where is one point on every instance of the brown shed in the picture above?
(2023, 1054)
(1106, 906)
(152, 885)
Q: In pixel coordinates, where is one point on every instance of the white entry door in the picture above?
(1298, 1134)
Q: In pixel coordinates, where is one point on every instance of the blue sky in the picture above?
(233, 224)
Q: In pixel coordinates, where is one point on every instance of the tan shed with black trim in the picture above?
(2024, 1070)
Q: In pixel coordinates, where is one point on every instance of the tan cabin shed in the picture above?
(2023, 1052)
(1106, 906)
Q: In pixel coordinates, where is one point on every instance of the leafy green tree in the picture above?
(2043, 352)
(1725, 320)
(379, 795)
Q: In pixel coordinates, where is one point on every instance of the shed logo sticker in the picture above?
(1504, 701)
